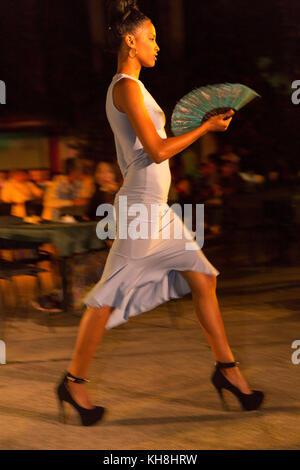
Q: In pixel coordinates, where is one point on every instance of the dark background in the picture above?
(55, 67)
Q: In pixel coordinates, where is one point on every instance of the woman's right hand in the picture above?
(219, 123)
(128, 98)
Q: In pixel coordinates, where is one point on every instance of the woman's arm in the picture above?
(129, 99)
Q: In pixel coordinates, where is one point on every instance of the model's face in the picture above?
(144, 41)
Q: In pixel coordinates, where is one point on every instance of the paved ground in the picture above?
(153, 373)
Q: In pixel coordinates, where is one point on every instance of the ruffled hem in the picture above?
(136, 286)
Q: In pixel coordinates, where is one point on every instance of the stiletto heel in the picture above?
(223, 402)
(88, 416)
(62, 412)
(249, 402)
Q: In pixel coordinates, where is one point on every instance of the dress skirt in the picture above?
(141, 274)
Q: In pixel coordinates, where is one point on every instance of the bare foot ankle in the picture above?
(80, 395)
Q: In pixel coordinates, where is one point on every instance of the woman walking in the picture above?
(142, 273)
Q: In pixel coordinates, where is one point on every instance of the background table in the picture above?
(67, 238)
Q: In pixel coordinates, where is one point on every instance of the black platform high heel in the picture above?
(87, 416)
(249, 402)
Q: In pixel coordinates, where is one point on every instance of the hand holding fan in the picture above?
(202, 103)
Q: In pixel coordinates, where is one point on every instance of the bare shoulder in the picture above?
(127, 86)
(128, 98)
(125, 82)
(126, 91)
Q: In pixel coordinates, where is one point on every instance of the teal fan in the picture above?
(202, 103)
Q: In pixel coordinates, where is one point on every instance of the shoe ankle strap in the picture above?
(74, 379)
(225, 365)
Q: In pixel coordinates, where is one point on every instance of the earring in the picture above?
(132, 57)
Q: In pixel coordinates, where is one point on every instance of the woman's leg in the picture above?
(203, 287)
(90, 333)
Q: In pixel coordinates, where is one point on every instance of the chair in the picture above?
(10, 269)
(27, 266)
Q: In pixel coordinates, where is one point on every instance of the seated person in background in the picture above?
(40, 177)
(229, 155)
(106, 188)
(230, 180)
(184, 188)
(177, 174)
(209, 182)
(65, 190)
(87, 178)
(231, 184)
(18, 191)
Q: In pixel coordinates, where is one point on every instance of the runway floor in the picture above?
(153, 373)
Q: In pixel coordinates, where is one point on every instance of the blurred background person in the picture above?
(64, 191)
(185, 190)
(106, 187)
(229, 154)
(40, 177)
(87, 178)
(18, 191)
(230, 180)
(105, 190)
(177, 173)
(231, 184)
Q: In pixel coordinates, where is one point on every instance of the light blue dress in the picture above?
(142, 273)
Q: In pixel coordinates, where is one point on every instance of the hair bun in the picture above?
(130, 5)
(122, 16)
(118, 8)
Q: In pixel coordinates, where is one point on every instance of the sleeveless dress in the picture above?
(142, 273)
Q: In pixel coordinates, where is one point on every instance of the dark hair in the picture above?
(124, 16)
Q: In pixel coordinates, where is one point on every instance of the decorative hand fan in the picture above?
(202, 103)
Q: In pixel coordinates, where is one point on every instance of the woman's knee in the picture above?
(207, 284)
(200, 283)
